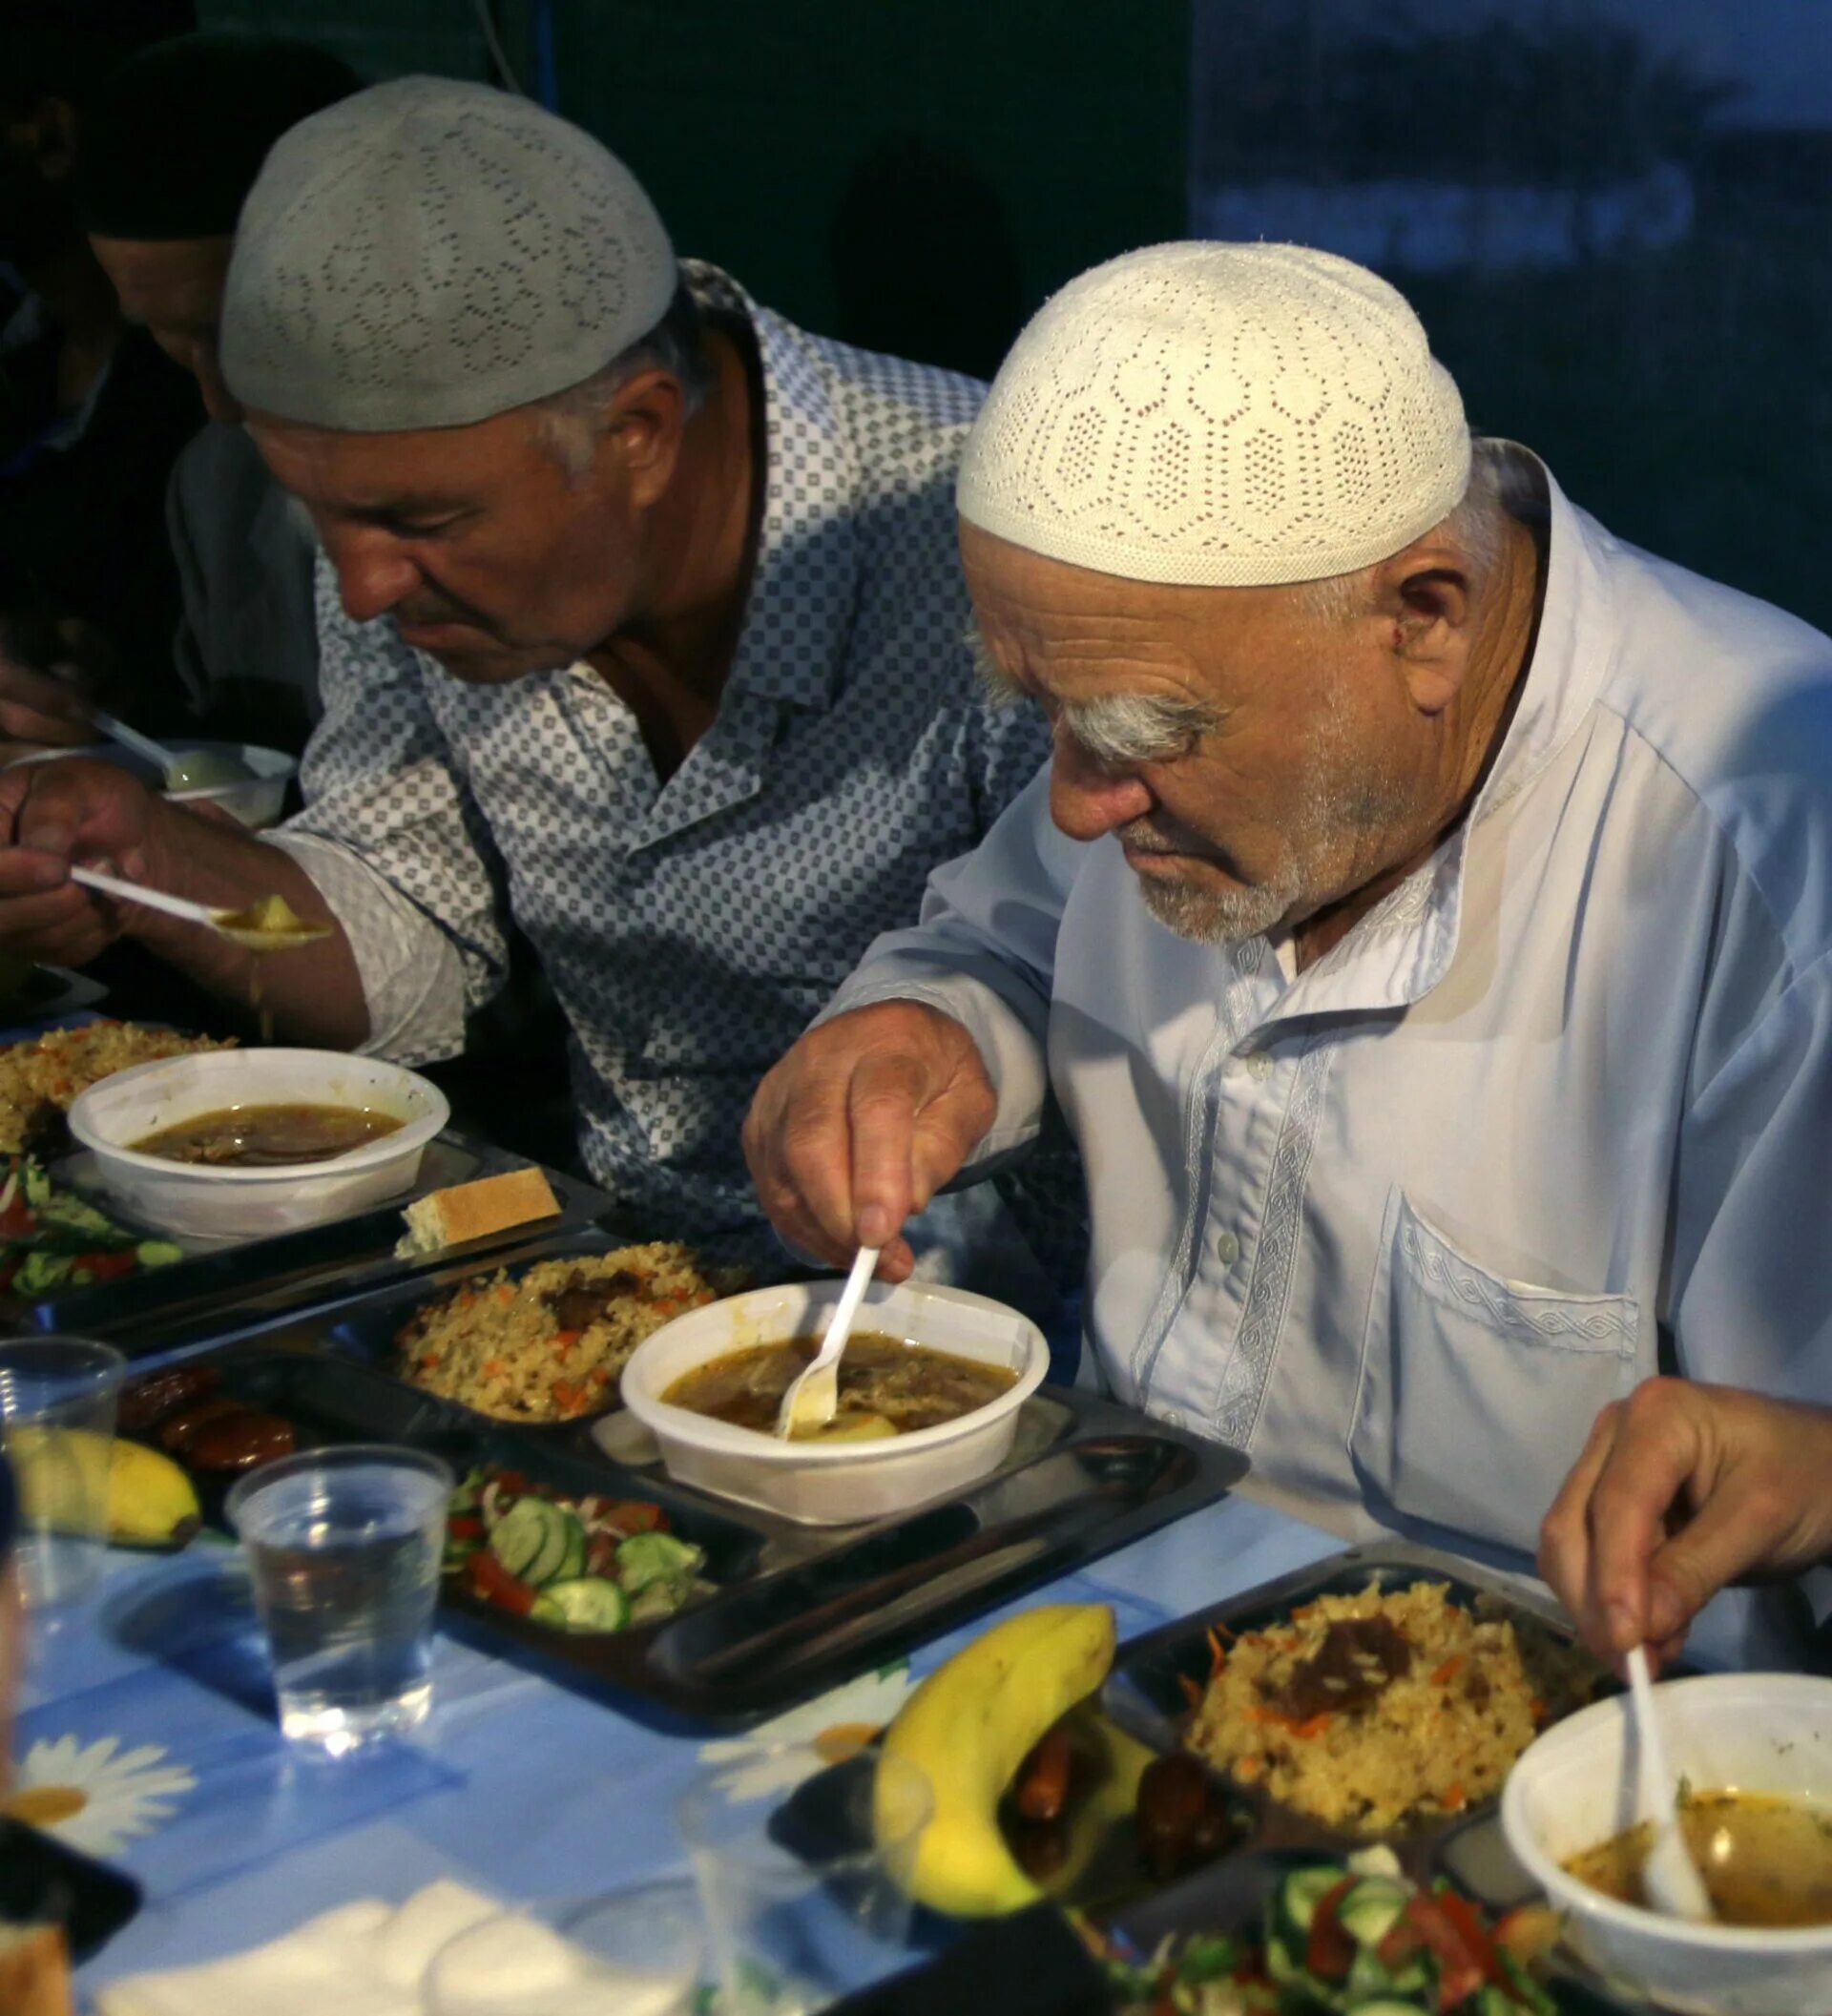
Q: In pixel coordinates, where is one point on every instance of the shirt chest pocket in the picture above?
(1477, 1393)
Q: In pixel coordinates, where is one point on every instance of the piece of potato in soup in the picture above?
(886, 1387)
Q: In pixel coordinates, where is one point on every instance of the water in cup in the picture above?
(344, 1546)
(57, 1432)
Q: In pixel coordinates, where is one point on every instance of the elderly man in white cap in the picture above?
(1424, 924)
(640, 623)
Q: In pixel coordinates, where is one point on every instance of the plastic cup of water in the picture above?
(804, 1868)
(345, 1547)
(57, 1433)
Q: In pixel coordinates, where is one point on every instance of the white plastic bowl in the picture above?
(838, 1483)
(1574, 1787)
(250, 1203)
(259, 800)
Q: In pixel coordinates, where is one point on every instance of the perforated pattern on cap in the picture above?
(1218, 414)
(430, 253)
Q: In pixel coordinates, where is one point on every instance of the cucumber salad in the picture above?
(1352, 1938)
(575, 1564)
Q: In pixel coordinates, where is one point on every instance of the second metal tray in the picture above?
(221, 1290)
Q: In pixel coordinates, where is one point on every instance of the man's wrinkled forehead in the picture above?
(1058, 625)
(419, 470)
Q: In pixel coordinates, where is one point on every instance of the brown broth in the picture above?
(267, 1137)
(882, 1379)
(1765, 1860)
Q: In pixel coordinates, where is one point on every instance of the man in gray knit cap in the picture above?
(641, 624)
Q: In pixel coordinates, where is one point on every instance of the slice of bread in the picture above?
(34, 1971)
(472, 1211)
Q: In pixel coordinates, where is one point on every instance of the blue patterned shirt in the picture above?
(689, 929)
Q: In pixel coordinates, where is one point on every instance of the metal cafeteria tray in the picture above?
(798, 1609)
(1148, 1694)
(223, 1288)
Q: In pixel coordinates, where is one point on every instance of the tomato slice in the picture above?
(635, 1516)
(495, 1583)
(1460, 1972)
(104, 1266)
(1471, 1930)
(1331, 1949)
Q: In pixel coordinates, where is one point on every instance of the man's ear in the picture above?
(1425, 593)
(647, 421)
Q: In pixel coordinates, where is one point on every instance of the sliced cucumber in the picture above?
(1305, 1889)
(527, 1537)
(655, 1557)
(582, 1602)
(1385, 2006)
(157, 1253)
(570, 1536)
(1371, 1909)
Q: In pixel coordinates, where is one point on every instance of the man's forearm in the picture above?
(313, 992)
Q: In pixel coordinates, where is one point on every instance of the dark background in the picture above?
(1615, 217)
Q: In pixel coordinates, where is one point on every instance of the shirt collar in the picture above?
(803, 591)
(1403, 947)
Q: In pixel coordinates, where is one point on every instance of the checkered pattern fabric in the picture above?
(690, 929)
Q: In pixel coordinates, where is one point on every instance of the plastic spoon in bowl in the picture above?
(1669, 1875)
(270, 925)
(813, 1398)
(181, 770)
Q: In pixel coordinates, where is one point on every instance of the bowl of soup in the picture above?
(1754, 1753)
(243, 1143)
(929, 1392)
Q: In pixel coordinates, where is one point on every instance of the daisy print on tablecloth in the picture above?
(96, 1797)
(836, 1724)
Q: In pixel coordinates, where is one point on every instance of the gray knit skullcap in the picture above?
(430, 253)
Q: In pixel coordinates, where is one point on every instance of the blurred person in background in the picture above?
(171, 143)
(92, 415)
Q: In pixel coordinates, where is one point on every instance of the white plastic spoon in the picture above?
(229, 923)
(1669, 1875)
(182, 770)
(813, 1396)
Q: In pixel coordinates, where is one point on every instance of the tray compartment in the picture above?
(1145, 1694)
(917, 1575)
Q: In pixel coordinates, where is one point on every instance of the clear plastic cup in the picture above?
(58, 1399)
(805, 1869)
(635, 1953)
(345, 1547)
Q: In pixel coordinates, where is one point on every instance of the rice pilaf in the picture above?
(41, 1079)
(553, 1343)
(1379, 1710)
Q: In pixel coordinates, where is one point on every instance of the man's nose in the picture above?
(373, 574)
(1087, 799)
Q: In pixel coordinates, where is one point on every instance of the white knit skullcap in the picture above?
(1219, 414)
(430, 253)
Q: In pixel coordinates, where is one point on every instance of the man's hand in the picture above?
(860, 1125)
(1681, 1489)
(50, 815)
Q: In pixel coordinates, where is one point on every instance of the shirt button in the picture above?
(1227, 1248)
(1259, 1064)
